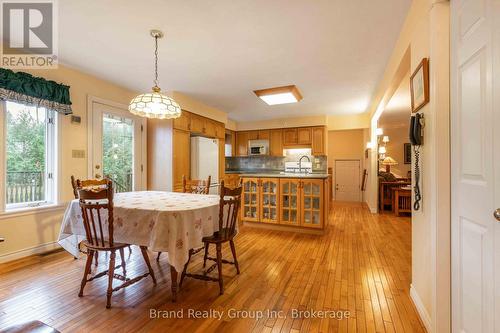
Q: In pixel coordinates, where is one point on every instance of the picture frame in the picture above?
(407, 153)
(419, 86)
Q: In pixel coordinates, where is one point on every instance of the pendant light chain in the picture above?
(156, 62)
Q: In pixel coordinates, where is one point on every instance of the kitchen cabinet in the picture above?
(304, 136)
(182, 157)
(290, 136)
(319, 141)
(276, 143)
(241, 143)
(312, 200)
(183, 122)
(269, 200)
(220, 131)
(290, 201)
(197, 123)
(263, 135)
(209, 128)
(253, 135)
(250, 199)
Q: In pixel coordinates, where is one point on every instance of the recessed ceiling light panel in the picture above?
(279, 95)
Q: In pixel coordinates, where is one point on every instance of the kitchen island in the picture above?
(284, 201)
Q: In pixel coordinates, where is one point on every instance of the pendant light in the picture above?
(155, 104)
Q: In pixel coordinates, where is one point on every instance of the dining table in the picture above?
(162, 221)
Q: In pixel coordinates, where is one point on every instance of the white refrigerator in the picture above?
(205, 160)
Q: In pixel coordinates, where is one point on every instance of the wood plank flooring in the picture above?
(362, 265)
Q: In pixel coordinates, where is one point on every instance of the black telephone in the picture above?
(416, 124)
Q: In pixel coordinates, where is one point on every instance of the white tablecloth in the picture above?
(162, 221)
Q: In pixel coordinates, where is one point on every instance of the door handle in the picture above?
(97, 176)
(496, 214)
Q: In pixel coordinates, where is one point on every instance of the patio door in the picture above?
(117, 147)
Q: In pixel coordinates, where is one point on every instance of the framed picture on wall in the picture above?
(419, 86)
(407, 153)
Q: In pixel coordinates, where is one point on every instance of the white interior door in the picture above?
(118, 147)
(347, 174)
(475, 123)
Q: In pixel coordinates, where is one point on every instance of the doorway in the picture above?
(117, 144)
(347, 184)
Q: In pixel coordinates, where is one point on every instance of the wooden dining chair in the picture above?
(229, 205)
(195, 186)
(75, 194)
(96, 196)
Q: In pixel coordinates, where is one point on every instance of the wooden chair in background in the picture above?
(195, 186)
(95, 197)
(229, 206)
(75, 194)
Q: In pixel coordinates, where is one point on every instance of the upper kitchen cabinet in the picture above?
(241, 143)
(304, 136)
(276, 142)
(319, 141)
(290, 137)
(258, 135)
(183, 122)
(209, 128)
(197, 123)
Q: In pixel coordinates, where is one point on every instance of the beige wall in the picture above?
(425, 33)
(395, 148)
(345, 145)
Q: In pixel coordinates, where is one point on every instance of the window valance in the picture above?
(25, 88)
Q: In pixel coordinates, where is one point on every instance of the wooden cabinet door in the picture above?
(197, 123)
(183, 122)
(181, 158)
(318, 141)
(220, 131)
(209, 128)
(276, 143)
(241, 143)
(250, 200)
(289, 201)
(312, 203)
(304, 136)
(263, 135)
(253, 135)
(269, 200)
(290, 136)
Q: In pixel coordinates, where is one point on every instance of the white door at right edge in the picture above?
(475, 167)
(347, 174)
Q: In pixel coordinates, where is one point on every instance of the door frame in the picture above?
(91, 100)
(360, 199)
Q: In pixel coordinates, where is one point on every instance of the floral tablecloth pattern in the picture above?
(162, 221)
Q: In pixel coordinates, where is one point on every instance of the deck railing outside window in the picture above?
(25, 187)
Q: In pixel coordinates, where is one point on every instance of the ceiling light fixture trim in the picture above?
(279, 95)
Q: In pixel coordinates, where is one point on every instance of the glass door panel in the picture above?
(312, 203)
(269, 199)
(290, 203)
(250, 199)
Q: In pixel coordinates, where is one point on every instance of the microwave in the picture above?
(258, 147)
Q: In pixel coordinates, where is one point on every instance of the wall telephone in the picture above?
(416, 139)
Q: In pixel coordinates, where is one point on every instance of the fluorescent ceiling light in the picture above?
(279, 95)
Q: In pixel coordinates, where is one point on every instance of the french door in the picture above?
(117, 147)
(475, 142)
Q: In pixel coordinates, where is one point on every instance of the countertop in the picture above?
(313, 175)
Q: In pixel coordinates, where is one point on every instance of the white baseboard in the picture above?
(373, 210)
(424, 315)
(29, 251)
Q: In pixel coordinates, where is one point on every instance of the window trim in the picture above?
(52, 165)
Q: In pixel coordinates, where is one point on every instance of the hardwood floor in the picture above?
(362, 264)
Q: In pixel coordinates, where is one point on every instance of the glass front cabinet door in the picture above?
(290, 201)
(269, 200)
(250, 200)
(312, 203)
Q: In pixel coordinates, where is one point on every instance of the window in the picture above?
(29, 155)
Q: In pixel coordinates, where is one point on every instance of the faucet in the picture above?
(300, 162)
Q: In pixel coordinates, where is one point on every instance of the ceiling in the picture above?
(398, 110)
(218, 52)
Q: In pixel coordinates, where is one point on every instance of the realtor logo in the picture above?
(29, 34)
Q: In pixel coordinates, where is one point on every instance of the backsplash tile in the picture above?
(271, 163)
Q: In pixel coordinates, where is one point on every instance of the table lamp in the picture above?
(388, 161)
